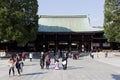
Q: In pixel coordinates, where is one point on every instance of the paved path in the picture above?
(115, 61)
(82, 69)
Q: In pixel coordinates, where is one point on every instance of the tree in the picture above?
(18, 20)
(112, 20)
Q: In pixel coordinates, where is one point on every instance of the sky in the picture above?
(93, 8)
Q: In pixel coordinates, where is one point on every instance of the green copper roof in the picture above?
(75, 23)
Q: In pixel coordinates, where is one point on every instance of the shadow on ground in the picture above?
(68, 68)
(30, 64)
(36, 73)
(116, 77)
(73, 67)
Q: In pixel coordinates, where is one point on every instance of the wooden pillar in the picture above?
(91, 42)
(43, 43)
(56, 42)
(56, 46)
(80, 45)
(69, 43)
(101, 45)
(69, 46)
(91, 45)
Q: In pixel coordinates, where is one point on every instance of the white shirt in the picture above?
(30, 55)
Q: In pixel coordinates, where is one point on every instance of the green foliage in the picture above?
(112, 20)
(18, 20)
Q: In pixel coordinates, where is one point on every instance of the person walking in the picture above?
(30, 56)
(106, 54)
(92, 54)
(11, 65)
(23, 56)
(64, 60)
(47, 59)
(18, 66)
(42, 60)
(64, 63)
(54, 56)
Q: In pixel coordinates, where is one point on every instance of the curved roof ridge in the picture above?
(63, 16)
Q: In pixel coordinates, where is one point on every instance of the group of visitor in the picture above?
(16, 61)
(45, 58)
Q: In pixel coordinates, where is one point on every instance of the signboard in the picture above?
(96, 44)
(106, 44)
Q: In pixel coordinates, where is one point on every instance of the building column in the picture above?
(101, 45)
(69, 43)
(43, 43)
(91, 45)
(80, 46)
(56, 46)
(56, 43)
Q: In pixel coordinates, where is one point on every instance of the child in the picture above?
(57, 64)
